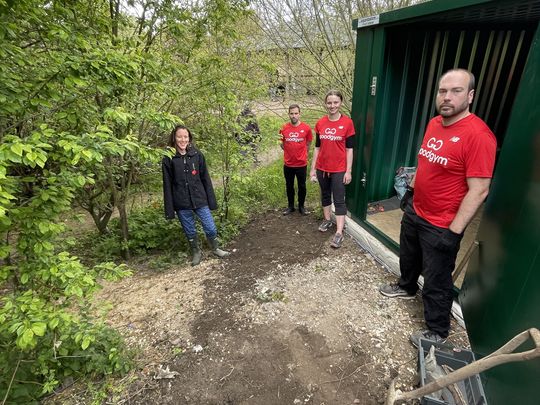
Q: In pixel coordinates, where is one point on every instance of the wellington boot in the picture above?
(195, 251)
(215, 248)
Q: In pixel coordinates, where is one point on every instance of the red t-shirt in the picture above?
(295, 139)
(332, 152)
(447, 157)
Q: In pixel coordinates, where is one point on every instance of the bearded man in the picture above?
(455, 166)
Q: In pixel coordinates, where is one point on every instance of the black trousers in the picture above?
(300, 173)
(332, 188)
(420, 253)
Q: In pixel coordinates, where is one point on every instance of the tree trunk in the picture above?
(124, 229)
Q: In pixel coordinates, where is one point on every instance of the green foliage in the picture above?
(269, 126)
(47, 149)
(46, 331)
(87, 95)
(149, 232)
(66, 347)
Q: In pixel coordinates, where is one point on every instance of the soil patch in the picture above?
(284, 320)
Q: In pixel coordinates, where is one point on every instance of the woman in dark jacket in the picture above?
(187, 189)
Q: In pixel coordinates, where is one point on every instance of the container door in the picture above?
(369, 58)
(501, 295)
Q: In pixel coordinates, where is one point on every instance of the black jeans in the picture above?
(300, 173)
(420, 251)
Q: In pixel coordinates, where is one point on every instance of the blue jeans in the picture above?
(187, 219)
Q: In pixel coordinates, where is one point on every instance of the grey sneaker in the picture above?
(325, 225)
(425, 334)
(337, 240)
(395, 291)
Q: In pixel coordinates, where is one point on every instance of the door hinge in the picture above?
(363, 180)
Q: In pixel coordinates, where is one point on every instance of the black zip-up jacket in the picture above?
(186, 183)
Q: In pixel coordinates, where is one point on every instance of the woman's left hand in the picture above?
(347, 178)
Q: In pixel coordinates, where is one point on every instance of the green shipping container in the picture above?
(399, 57)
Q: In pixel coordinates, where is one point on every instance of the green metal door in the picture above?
(369, 54)
(501, 292)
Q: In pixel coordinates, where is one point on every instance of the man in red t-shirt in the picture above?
(296, 138)
(455, 166)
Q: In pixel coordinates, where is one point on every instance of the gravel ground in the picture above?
(285, 319)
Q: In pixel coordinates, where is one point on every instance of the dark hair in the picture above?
(333, 93)
(292, 106)
(172, 137)
(472, 80)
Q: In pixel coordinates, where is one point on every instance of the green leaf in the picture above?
(40, 162)
(53, 323)
(14, 327)
(31, 156)
(78, 82)
(43, 226)
(48, 245)
(85, 343)
(17, 149)
(26, 338)
(24, 278)
(39, 328)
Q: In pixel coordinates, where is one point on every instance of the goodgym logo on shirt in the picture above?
(294, 137)
(431, 156)
(330, 134)
(434, 144)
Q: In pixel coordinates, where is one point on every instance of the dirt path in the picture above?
(284, 320)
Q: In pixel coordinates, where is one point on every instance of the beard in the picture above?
(448, 110)
(294, 121)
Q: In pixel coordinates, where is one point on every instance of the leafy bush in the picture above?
(46, 332)
(269, 126)
(73, 348)
(48, 338)
(149, 231)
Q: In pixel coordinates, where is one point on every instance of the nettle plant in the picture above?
(47, 330)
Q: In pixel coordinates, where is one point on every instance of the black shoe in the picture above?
(288, 211)
(425, 334)
(302, 211)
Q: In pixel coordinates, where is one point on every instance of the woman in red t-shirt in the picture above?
(332, 162)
